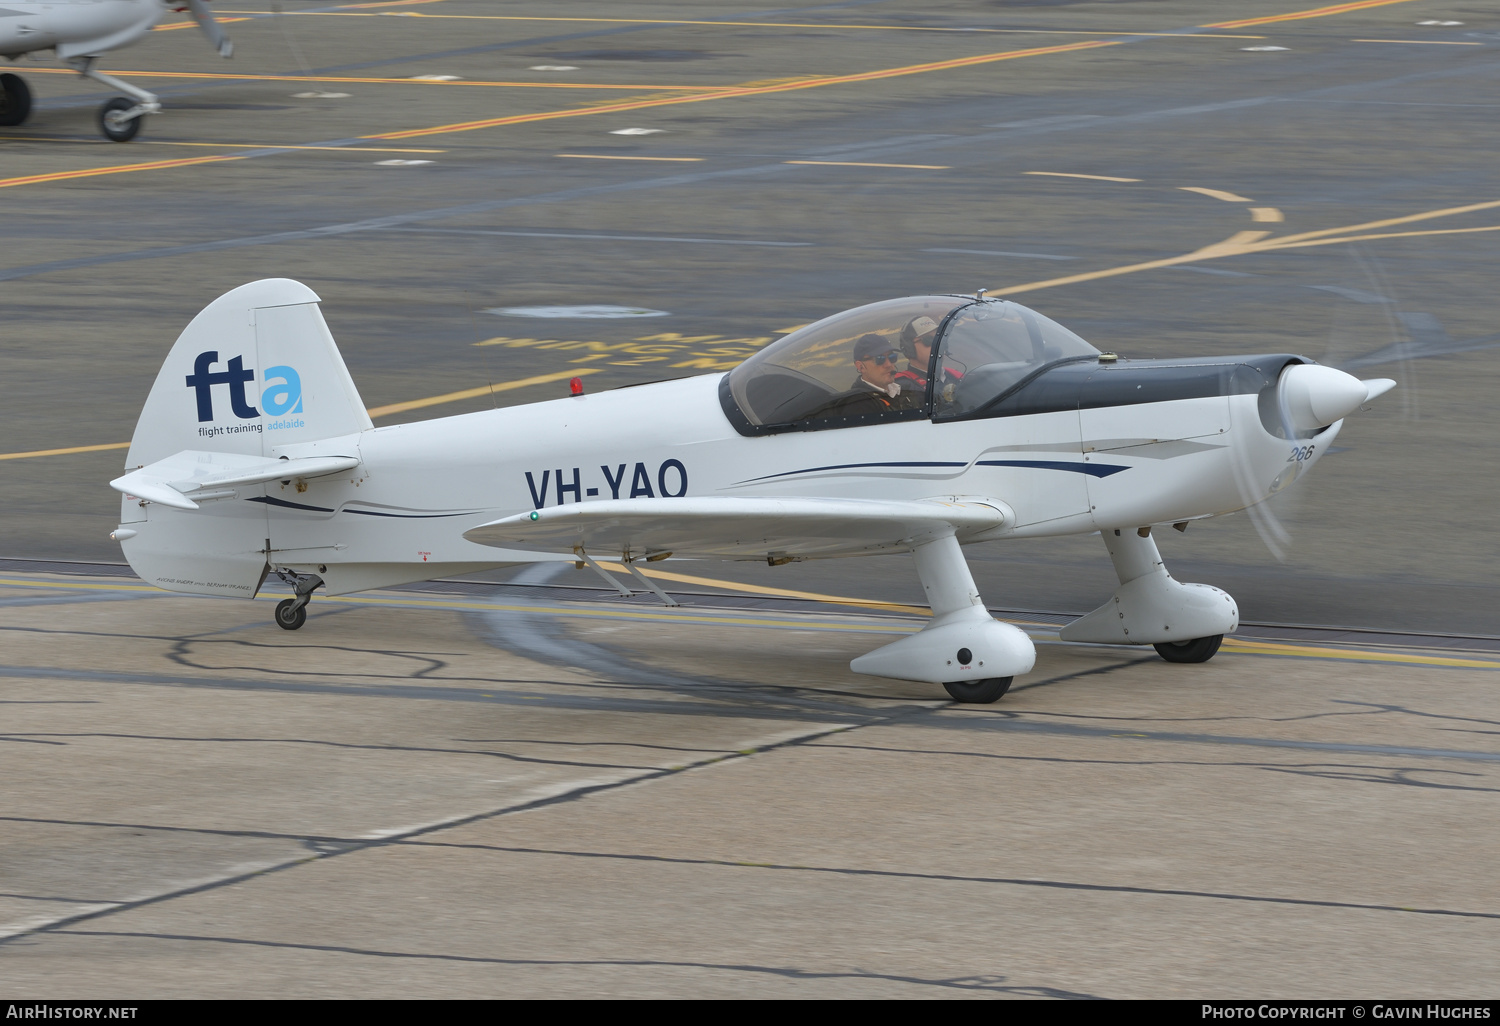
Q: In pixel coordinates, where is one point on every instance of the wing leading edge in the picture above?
(745, 528)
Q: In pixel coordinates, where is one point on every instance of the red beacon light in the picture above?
(576, 386)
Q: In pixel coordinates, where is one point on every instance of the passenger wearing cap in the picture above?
(916, 343)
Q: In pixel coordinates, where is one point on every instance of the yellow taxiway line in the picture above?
(225, 146)
(377, 411)
(63, 452)
(118, 169)
(736, 92)
(1316, 12)
(582, 610)
(763, 24)
(474, 393)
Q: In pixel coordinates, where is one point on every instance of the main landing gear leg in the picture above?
(119, 119)
(292, 613)
(1185, 623)
(973, 655)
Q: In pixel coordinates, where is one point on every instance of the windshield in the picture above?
(989, 347)
(831, 373)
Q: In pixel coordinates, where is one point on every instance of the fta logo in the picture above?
(282, 396)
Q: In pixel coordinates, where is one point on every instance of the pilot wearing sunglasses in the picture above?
(875, 358)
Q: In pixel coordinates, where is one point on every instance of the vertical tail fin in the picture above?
(255, 370)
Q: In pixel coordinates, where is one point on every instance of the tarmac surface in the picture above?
(199, 804)
(704, 801)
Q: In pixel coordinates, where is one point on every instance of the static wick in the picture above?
(576, 386)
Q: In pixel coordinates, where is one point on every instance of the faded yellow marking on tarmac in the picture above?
(1266, 215)
(118, 169)
(1316, 12)
(1218, 194)
(1067, 174)
(613, 156)
(853, 163)
(473, 393)
(357, 80)
(735, 92)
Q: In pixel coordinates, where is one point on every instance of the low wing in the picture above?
(190, 475)
(744, 528)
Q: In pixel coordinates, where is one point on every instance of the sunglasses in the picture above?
(889, 358)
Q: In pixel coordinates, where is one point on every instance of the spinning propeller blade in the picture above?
(211, 28)
(1306, 399)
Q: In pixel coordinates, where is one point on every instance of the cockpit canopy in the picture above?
(979, 349)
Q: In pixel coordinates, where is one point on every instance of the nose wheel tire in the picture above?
(114, 127)
(1199, 650)
(978, 692)
(290, 615)
(15, 100)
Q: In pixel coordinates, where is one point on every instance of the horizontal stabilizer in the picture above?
(179, 479)
(745, 528)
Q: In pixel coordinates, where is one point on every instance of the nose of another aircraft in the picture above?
(1315, 396)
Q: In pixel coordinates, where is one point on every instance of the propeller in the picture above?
(1306, 399)
(211, 28)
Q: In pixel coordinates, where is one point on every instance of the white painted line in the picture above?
(436, 78)
(636, 131)
(1001, 252)
(401, 163)
(1262, 49)
(320, 96)
(596, 312)
(610, 238)
(553, 67)
(1434, 21)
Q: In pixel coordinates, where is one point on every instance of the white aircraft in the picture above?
(79, 32)
(254, 455)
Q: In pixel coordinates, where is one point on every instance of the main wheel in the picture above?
(15, 100)
(113, 126)
(1199, 650)
(289, 615)
(979, 692)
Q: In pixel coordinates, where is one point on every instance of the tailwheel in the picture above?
(113, 122)
(15, 100)
(1199, 650)
(978, 692)
(290, 614)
